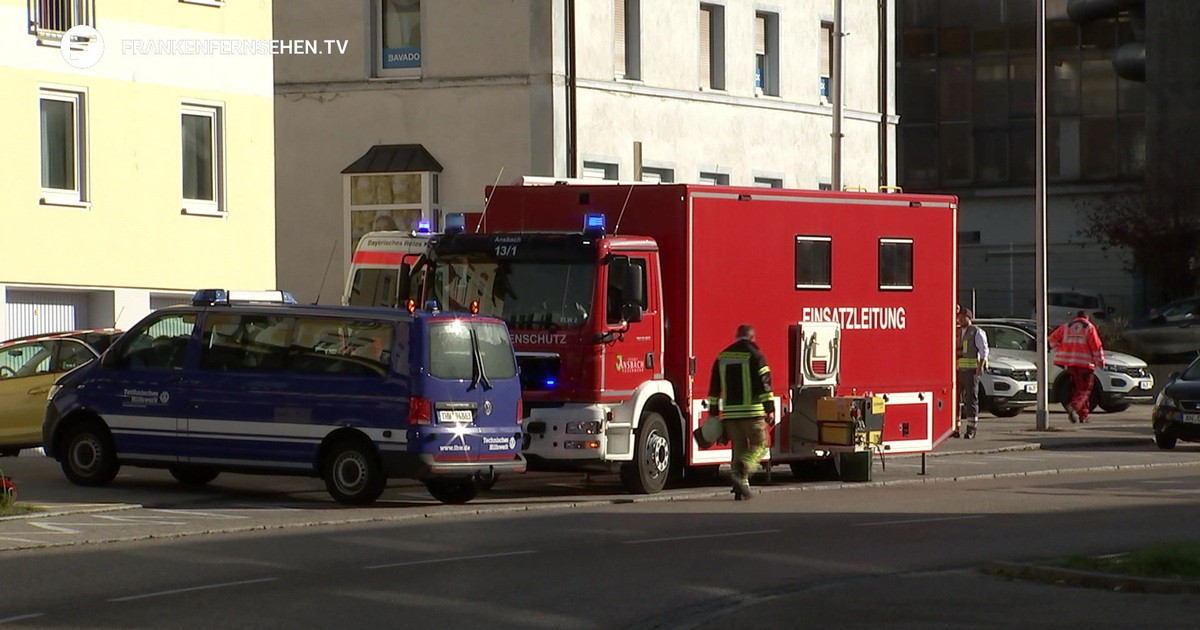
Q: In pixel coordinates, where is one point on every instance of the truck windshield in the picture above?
(524, 293)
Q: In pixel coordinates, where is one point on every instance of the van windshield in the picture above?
(458, 349)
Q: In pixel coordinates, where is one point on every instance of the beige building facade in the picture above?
(470, 92)
(139, 157)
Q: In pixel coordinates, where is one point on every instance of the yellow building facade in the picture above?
(138, 163)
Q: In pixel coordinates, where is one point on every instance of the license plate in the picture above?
(455, 415)
(1031, 388)
(1146, 384)
(1190, 418)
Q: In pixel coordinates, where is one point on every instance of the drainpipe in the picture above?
(572, 113)
(885, 71)
(838, 96)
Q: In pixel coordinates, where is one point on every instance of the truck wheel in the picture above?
(193, 475)
(453, 491)
(89, 458)
(353, 475)
(647, 473)
(1165, 441)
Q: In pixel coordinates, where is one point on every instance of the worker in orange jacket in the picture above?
(1078, 350)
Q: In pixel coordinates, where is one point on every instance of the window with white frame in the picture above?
(712, 47)
(627, 38)
(896, 264)
(768, 182)
(201, 159)
(657, 175)
(814, 262)
(63, 146)
(825, 62)
(398, 38)
(766, 53)
(49, 19)
(599, 170)
(714, 178)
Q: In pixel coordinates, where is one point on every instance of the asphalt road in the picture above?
(899, 556)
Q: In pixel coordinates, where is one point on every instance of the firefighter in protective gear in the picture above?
(1078, 350)
(740, 391)
(972, 358)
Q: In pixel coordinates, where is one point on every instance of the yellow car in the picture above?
(28, 367)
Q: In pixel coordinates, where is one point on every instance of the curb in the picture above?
(1090, 579)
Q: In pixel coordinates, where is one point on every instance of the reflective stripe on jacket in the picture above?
(741, 379)
(1076, 343)
(970, 352)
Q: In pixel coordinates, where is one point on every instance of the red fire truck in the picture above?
(619, 298)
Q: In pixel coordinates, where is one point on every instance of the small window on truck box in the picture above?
(895, 264)
(814, 262)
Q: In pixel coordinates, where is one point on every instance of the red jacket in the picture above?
(1076, 343)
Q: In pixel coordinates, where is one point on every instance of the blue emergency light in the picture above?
(593, 224)
(423, 226)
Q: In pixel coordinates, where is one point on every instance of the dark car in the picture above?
(1172, 334)
(1176, 413)
(28, 367)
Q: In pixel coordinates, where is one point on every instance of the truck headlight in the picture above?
(586, 427)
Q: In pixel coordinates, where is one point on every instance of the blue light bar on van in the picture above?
(456, 223)
(213, 297)
(423, 226)
(593, 224)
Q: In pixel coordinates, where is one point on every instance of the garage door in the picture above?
(163, 301)
(40, 312)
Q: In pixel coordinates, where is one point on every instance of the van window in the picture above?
(452, 353)
(232, 342)
(159, 343)
(333, 345)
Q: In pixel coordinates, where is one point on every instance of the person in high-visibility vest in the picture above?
(1078, 350)
(740, 391)
(972, 358)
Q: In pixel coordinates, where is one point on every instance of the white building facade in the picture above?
(432, 101)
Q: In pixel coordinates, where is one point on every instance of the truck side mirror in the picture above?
(631, 313)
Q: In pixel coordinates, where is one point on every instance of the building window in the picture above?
(768, 182)
(895, 264)
(825, 62)
(599, 170)
(657, 175)
(712, 47)
(627, 38)
(202, 159)
(814, 262)
(715, 179)
(766, 54)
(49, 19)
(399, 38)
(63, 140)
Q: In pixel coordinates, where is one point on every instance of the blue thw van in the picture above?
(352, 395)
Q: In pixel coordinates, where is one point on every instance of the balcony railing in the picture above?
(49, 19)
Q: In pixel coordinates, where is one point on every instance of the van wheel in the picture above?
(193, 475)
(89, 458)
(454, 491)
(647, 473)
(353, 475)
(1165, 441)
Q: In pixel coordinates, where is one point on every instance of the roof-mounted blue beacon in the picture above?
(593, 225)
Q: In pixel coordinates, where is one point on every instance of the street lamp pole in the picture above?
(1043, 396)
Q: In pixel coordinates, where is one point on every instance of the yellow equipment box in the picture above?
(867, 409)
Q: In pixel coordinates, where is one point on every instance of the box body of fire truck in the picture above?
(620, 297)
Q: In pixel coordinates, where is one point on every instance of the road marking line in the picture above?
(199, 514)
(454, 559)
(58, 529)
(191, 589)
(21, 617)
(702, 536)
(919, 520)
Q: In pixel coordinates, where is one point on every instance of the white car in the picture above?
(1125, 378)
(1063, 304)
(1008, 385)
